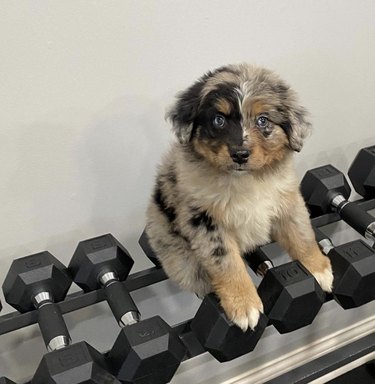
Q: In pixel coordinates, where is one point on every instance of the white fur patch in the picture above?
(325, 279)
(248, 321)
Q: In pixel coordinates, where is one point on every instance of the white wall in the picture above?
(83, 90)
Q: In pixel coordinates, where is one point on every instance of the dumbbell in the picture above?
(362, 172)
(290, 294)
(146, 351)
(353, 267)
(37, 282)
(326, 189)
(215, 332)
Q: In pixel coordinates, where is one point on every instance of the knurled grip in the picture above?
(51, 323)
(356, 217)
(119, 300)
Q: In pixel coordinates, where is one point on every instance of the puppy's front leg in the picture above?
(232, 283)
(293, 231)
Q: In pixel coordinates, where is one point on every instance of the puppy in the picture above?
(228, 185)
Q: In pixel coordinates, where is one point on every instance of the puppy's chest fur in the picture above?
(244, 205)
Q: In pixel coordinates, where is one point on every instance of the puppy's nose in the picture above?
(240, 156)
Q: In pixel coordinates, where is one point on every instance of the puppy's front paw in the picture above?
(244, 310)
(320, 268)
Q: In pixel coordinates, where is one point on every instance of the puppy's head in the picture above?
(240, 118)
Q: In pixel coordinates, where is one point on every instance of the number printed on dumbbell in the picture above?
(291, 273)
(33, 262)
(146, 333)
(101, 242)
(71, 358)
(357, 251)
(326, 170)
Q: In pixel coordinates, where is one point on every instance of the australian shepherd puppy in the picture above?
(228, 185)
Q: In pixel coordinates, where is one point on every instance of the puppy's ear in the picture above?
(297, 126)
(185, 111)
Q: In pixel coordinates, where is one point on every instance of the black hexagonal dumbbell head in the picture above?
(145, 351)
(76, 364)
(96, 256)
(290, 294)
(353, 267)
(30, 275)
(362, 172)
(320, 185)
(221, 337)
(325, 189)
(35, 281)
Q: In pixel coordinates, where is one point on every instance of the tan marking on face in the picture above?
(259, 107)
(216, 154)
(266, 151)
(223, 106)
(251, 108)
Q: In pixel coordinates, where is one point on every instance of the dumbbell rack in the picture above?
(310, 371)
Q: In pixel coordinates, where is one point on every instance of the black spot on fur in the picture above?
(169, 212)
(219, 252)
(172, 177)
(286, 126)
(203, 219)
(231, 133)
(187, 104)
(176, 232)
(215, 238)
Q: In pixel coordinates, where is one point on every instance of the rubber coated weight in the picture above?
(354, 271)
(37, 282)
(325, 189)
(96, 256)
(78, 363)
(353, 267)
(320, 185)
(219, 336)
(290, 294)
(362, 172)
(33, 274)
(147, 352)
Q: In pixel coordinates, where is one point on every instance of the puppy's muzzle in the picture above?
(240, 156)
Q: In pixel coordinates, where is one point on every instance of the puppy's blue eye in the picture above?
(262, 122)
(219, 121)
